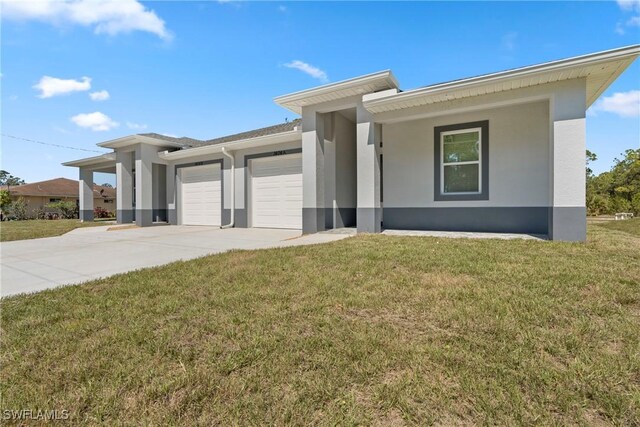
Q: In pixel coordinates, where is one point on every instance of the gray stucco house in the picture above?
(502, 152)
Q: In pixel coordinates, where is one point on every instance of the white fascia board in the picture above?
(137, 139)
(385, 77)
(92, 161)
(259, 141)
(620, 54)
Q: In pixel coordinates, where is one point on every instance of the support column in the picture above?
(369, 212)
(86, 195)
(172, 211)
(144, 184)
(568, 213)
(313, 219)
(124, 187)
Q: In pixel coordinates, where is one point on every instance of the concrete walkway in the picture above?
(90, 253)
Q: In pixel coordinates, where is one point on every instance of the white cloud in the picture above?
(95, 121)
(282, 8)
(632, 6)
(105, 16)
(101, 95)
(624, 104)
(136, 126)
(509, 41)
(52, 86)
(309, 69)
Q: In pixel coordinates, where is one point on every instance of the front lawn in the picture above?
(369, 330)
(37, 228)
(628, 225)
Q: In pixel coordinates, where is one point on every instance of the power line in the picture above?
(52, 145)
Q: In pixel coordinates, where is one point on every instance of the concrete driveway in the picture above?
(90, 253)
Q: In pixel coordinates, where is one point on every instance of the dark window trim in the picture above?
(484, 161)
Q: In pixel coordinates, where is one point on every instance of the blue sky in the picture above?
(206, 69)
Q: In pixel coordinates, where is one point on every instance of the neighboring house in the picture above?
(501, 152)
(38, 194)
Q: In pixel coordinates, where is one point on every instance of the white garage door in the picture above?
(201, 195)
(276, 192)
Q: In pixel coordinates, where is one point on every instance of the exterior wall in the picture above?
(519, 173)
(345, 172)
(242, 158)
(339, 171)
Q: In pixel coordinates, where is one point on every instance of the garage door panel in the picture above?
(276, 192)
(201, 194)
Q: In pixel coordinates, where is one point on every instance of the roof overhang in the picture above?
(599, 69)
(97, 162)
(369, 83)
(260, 141)
(138, 139)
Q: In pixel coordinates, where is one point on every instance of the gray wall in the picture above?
(519, 174)
(346, 172)
(241, 214)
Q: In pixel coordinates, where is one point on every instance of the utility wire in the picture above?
(52, 145)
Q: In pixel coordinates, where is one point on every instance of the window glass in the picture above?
(461, 178)
(461, 147)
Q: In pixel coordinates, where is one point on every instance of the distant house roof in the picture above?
(192, 143)
(60, 187)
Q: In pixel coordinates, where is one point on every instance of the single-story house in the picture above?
(502, 152)
(38, 194)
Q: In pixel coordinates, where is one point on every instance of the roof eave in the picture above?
(260, 141)
(138, 139)
(620, 54)
(92, 161)
(289, 100)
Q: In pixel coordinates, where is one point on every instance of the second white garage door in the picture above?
(201, 195)
(276, 192)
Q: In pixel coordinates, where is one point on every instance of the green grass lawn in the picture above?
(628, 225)
(35, 229)
(368, 330)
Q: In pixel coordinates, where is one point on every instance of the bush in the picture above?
(598, 204)
(66, 210)
(39, 213)
(635, 204)
(620, 204)
(18, 209)
(99, 212)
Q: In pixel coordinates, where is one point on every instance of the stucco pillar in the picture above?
(144, 184)
(124, 187)
(329, 172)
(86, 195)
(313, 219)
(172, 211)
(369, 211)
(568, 213)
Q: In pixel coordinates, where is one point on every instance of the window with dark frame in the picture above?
(461, 161)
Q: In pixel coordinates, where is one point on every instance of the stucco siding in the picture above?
(518, 158)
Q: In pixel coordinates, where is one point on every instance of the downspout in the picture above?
(233, 188)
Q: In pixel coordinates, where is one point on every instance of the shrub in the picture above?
(39, 213)
(635, 204)
(18, 209)
(620, 204)
(99, 212)
(66, 210)
(598, 204)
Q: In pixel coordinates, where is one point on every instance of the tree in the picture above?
(5, 202)
(18, 209)
(9, 180)
(106, 184)
(617, 190)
